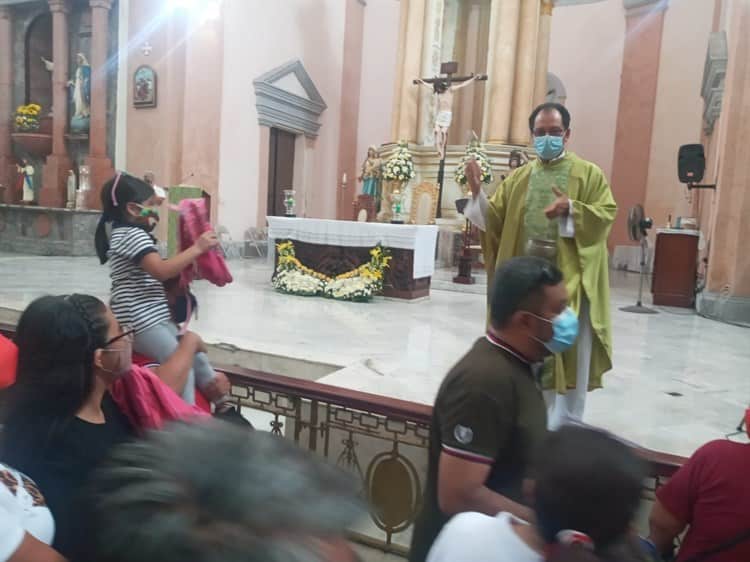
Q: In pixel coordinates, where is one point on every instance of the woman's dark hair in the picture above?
(56, 338)
(128, 189)
(589, 482)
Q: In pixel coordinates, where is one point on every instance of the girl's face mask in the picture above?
(147, 216)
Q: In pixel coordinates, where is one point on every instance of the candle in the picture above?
(343, 178)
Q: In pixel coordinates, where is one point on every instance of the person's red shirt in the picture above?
(711, 493)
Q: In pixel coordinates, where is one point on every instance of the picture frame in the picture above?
(144, 87)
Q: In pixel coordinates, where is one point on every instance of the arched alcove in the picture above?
(37, 79)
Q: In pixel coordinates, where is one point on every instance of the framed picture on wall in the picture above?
(144, 87)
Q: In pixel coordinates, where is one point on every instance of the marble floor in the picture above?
(679, 380)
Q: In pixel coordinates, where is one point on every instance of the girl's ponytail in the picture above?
(101, 239)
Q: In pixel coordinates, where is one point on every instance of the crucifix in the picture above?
(443, 88)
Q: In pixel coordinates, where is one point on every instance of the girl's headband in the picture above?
(114, 186)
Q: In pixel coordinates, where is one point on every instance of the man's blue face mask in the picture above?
(548, 147)
(564, 331)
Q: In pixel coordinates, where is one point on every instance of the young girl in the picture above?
(138, 298)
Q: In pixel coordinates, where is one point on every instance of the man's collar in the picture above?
(505, 346)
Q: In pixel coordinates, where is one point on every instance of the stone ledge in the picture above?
(732, 310)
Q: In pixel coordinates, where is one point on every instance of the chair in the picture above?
(364, 208)
(424, 202)
(257, 240)
(229, 248)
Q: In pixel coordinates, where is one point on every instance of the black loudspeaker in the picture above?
(691, 163)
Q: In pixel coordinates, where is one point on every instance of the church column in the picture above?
(523, 90)
(431, 55)
(399, 78)
(100, 165)
(408, 115)
(501, 67)
(55, 173)
(727, 293)
(542, 51)
(6, 102)
(635, 113)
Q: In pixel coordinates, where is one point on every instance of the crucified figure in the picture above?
(444, 91)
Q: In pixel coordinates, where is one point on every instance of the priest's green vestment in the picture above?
(583, 259)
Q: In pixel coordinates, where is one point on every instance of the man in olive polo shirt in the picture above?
(489, 416)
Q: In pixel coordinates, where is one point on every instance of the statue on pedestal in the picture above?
(71, 185)
(26, 179)
(371, 173)
(80, 87)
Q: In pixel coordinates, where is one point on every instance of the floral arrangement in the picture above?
(400, 166)
(474, 151)
(360, 284)
(27, 117)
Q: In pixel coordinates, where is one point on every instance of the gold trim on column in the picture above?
(546, 7)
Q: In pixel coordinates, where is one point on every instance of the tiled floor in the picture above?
(679, 379)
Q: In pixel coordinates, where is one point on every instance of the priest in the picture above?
(559, 207)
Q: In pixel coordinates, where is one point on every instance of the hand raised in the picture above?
(474, 176)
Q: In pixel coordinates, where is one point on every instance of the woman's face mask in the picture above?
(117, 354)
(118, 361)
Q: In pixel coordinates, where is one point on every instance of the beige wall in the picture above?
(258, 36)
(679, 106)
(586, 50)
(379, 50)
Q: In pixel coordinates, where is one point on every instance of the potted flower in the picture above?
(473, 152)
(27, 118)
(33, 133)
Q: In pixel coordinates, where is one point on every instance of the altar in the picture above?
(333, 247)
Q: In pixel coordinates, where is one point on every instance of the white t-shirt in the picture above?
(22, 510)
(476, 537)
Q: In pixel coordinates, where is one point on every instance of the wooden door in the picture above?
(280, 169)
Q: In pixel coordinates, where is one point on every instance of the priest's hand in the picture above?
(560, 207)
(474, 176)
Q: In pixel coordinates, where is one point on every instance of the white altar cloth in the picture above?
(419, 238)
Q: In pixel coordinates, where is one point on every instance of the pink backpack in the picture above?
(211, 265)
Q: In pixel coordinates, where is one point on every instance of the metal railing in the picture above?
(383, 441)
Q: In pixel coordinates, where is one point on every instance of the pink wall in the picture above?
(679, 106)
(146, 142)
(586, 50)
(635, 116)
(259, 36)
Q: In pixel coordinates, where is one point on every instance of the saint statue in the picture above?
(80, 87)
(71, 190)
(443, 93)
(26, 179)
(371, 173)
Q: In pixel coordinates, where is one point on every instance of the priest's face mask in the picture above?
(550, 134)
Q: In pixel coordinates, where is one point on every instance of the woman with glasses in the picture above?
(60, 421)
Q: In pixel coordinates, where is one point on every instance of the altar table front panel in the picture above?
(333, 247)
